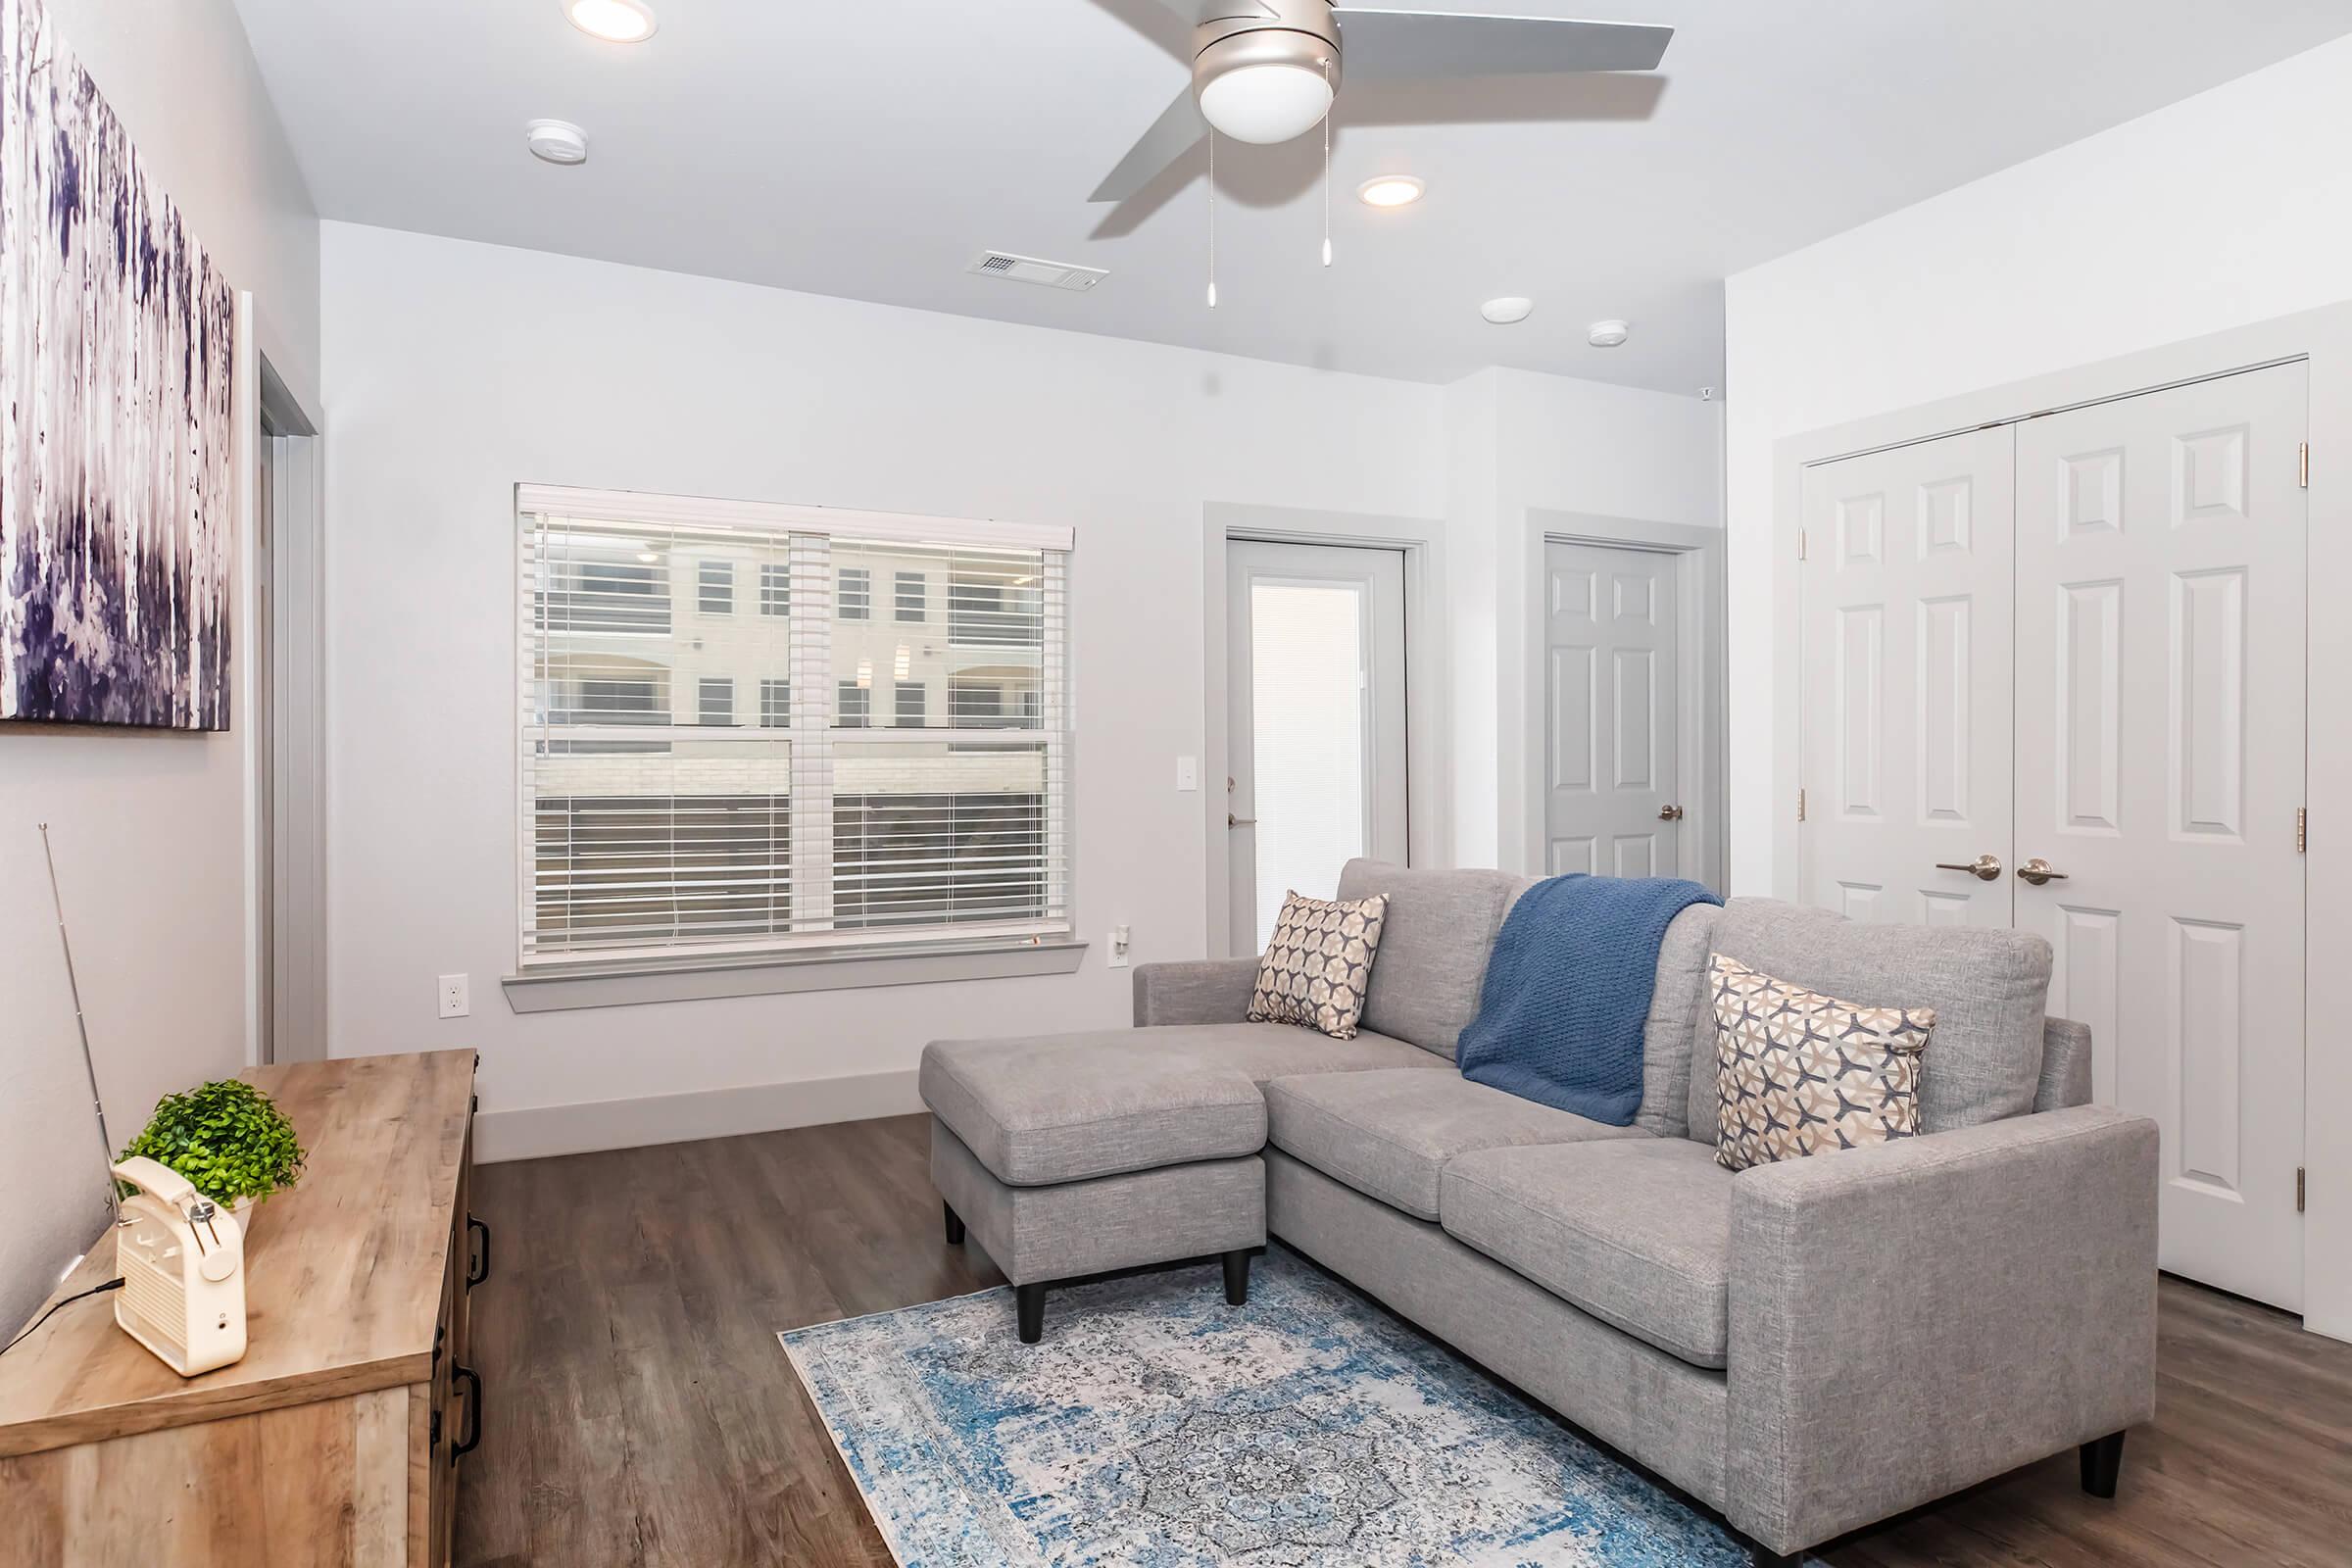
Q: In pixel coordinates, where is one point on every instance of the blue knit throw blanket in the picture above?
(1568, 990)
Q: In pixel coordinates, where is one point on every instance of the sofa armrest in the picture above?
(1911, 1318)
(1198, 991)
(2064, 1065)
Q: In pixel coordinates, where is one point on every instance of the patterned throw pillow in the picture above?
(1800, 1073)
(1318, 964)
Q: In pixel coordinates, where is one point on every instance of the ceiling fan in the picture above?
(1267, 70)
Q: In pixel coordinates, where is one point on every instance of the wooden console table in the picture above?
(335, 1440)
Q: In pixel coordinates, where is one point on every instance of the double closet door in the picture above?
(2055, 678)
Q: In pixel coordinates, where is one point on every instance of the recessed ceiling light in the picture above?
(1608, 334)
(1507, 309)
(1389, 190)
(614, 21)
(557, 141)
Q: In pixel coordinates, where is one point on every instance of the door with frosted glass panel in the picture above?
(1316, 734)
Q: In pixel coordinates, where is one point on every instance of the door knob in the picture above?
(1984, 867)
(2037, 871)
(1670, 814)
(1232, 820)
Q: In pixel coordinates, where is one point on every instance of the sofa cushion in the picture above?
(1675, 1003)
(1988, 989)
(1043, 1108)
(1388, 1134)
(1440, 927)
(1636, 1231)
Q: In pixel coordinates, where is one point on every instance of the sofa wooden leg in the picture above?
(2102, 1463)
(1765, 1557)
(1236, 1277)
(1030, 1299)
(955, 1224)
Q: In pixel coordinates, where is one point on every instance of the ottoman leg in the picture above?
(1030, 1303)
(955, 1224)
(1236, 1277)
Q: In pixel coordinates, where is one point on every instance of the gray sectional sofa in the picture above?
(1807, 1347)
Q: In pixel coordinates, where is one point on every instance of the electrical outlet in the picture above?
(456, 1000)
(1118, 947)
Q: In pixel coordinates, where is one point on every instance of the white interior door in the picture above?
(1315, 733)
(1905, 605)
(2160, 627)
(1612, 711)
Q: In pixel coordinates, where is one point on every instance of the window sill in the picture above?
(569, 986)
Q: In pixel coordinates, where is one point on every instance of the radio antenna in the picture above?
(57, 901)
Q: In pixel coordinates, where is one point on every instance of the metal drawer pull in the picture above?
(1984, 867)
(2037, 871)
(474, 1275)
(474, 1413)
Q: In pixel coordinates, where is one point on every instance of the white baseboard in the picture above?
(537, 1131)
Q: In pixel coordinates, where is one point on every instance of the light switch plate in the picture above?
(1188, 772)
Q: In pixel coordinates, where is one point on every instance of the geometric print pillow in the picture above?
(1800, 1073)
(1318, 964)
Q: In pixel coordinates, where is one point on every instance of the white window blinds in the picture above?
(901, 779)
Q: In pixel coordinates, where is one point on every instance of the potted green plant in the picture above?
(231, 1142)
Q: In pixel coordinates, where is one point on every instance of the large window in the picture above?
(899, 787)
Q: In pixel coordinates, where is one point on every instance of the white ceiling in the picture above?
(870, 148)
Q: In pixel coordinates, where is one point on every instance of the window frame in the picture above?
(558, 977)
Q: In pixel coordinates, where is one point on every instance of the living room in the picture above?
(744, 710)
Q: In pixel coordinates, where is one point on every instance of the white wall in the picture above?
(149, 826)
(1522, 443)
(2226, 209)
(455, 370)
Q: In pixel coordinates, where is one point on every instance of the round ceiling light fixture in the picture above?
(1267, 85)
(614, 21)
(1508, 311)
(1389, 190)
(557, 141)
(1608, 334)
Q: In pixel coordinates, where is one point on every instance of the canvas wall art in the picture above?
(116, 471)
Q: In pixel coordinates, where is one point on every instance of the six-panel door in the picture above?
(1906, 584)
(1613, 719)
(2160, 681)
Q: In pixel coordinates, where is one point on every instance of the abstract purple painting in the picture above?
(116, 473)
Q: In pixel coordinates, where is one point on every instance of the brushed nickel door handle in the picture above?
(1984, 867)
(2037, 871)
(1232, 820)
(1670, 814)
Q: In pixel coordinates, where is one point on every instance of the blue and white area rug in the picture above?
(1155, 1427)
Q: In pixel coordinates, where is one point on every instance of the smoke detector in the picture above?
(1032, 269)
(1608, 334)
(1508, 311)
(557, 141)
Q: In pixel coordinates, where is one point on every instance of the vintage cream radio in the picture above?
(183, 1262)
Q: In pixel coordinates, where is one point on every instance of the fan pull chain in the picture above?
(1327, 165)
(1212, 219)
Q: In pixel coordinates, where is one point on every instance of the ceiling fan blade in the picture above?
(1198, 12)
(1173, 135)
(1393, 45)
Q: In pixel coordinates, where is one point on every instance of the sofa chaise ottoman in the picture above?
(1807, 1347)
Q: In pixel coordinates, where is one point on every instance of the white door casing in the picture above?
(2161, 722)
(1905, 605)
(1612, 711)
(1315, 676)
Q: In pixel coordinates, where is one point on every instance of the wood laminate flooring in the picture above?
(639, 1410)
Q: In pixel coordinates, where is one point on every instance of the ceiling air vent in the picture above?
(1030, 269)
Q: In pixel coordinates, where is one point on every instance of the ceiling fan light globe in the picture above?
(1266, 104)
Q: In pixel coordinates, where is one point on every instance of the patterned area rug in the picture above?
(1155, 1427)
